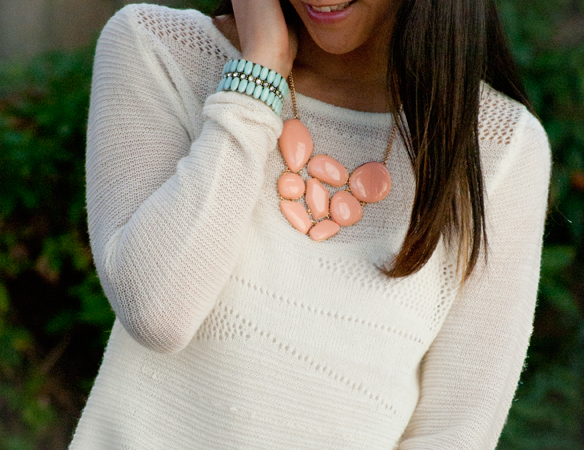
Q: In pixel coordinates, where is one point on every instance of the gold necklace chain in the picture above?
(297, 116)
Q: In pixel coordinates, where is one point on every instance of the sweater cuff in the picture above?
(243, 115)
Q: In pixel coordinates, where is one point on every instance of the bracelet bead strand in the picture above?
(256, 81)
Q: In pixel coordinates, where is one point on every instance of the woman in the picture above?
(236, 331)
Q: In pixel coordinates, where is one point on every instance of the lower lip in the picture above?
(328, 17)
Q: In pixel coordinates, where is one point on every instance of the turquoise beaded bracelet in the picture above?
(255, 80)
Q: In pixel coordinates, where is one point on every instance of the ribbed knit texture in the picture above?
(235, 331)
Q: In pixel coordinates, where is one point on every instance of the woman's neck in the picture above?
(355, 80)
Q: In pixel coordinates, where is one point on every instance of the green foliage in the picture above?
(205, 6)
(49, 293)
(548, 42)
(54, 318)
(550, 401)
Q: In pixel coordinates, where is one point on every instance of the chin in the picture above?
(334, 44)
(335, 49)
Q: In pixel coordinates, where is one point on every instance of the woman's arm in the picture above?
(469, 375)
(167, 216)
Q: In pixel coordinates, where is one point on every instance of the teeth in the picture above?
(338, 7)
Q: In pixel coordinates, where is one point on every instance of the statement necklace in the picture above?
(324, 217)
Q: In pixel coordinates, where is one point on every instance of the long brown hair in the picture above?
(439, 52)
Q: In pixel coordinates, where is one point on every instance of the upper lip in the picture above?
(328, 4)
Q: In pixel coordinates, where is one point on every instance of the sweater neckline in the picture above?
(338, 113)
(319, 107)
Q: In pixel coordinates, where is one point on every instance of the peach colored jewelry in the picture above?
(369, 183)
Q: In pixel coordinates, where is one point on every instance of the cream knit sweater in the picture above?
(235, 331)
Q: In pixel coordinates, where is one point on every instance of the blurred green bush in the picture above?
(54, 319)
(548, 42)
(53, 315)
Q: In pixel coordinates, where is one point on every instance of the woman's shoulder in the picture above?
(186, 31)
(502, 119)
(180, 49)
(506, 128)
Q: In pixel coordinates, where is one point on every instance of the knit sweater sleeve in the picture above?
(470, 373)
(166, 215)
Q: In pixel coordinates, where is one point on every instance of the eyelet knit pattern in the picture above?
(233, 330)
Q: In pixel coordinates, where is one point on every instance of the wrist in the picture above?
(274, 62)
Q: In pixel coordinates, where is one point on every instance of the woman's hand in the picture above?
(263, 34)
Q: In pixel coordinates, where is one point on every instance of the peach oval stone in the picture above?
(329, 170)
(291, 185)
(295, 144)
(317, 198)
(324, 230)
(345, 209)
(296, 215)
(370, 182)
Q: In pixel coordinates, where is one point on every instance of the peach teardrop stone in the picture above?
(296, 215)
(291, 185)
(329, 170)
(295, 144)
(317, 198)
(345, 209)
(370, 182)
(324, 230)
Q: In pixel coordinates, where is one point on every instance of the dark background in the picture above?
(54, 319)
